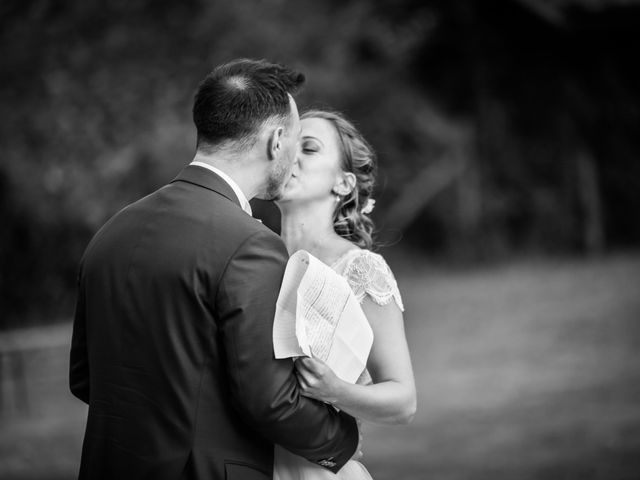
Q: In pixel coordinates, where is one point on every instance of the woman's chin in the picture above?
(286, 194)
(283, 199)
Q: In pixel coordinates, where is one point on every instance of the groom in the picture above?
(172, 338)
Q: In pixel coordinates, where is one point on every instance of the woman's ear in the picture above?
(274, 145)
(345, 183)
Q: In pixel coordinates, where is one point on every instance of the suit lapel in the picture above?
(207, 179)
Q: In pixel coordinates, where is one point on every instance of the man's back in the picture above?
(176, 297)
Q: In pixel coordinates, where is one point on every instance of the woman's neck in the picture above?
(310, 227)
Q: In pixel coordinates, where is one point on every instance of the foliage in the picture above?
(97, 99)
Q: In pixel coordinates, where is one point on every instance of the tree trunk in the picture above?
(590, 203)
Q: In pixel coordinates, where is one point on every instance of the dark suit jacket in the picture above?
(172, 345)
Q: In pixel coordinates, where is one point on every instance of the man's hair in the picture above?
(237, 98)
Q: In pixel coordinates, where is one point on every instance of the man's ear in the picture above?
(274, 145)
(345, 183)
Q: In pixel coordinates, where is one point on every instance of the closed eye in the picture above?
(310, 146)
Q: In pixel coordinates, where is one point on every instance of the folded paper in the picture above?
(317, 314)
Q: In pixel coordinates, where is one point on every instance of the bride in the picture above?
(325, 207)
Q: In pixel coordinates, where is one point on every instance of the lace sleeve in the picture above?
(369, 274)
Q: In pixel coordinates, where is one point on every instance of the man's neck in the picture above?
(241, 170)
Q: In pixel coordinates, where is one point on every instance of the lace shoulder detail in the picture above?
(369, 274)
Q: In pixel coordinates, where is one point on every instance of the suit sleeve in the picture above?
(265, 390)
(79, 359)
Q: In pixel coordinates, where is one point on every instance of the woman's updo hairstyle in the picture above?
(358, 157)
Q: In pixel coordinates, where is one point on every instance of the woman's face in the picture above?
(317, 170)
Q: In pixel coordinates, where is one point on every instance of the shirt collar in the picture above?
(244, 203)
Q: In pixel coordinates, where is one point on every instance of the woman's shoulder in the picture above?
(369, 274)
(358, 258)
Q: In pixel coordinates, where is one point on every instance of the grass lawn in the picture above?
(529, 370)
(525, 371)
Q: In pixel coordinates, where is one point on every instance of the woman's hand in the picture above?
(317, 380)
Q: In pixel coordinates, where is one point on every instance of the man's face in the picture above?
(281, 168)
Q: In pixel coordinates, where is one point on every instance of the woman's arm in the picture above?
(391, 399)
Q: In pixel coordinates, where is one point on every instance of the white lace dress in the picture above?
(368, 275)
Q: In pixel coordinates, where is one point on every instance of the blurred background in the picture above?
(507, 135)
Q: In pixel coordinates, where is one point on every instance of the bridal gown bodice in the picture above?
(369, 276)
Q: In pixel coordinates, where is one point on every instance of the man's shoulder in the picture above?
(257, 234)
(206, 221)
(232, 232)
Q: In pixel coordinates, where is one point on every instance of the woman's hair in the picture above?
(358, 158)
